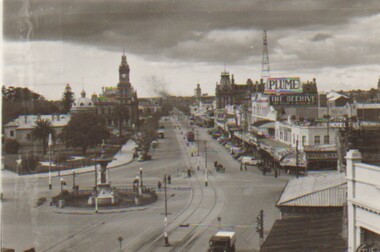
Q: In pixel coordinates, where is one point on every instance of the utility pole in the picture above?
(166, 244)
(260, 226)
(198, 142)
(297, 169)
(206, 171)
(74, 180)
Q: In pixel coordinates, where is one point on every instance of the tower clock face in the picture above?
(124, 75)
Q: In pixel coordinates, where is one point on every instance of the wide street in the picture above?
(235, 196)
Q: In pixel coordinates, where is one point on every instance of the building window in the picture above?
(317, 140)
(11, 133)
(303, 140)
(326, 140)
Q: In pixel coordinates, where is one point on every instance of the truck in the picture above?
(160, 133)
(222, 241)
(190, 136)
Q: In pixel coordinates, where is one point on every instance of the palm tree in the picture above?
(41, 132)
(121, 113)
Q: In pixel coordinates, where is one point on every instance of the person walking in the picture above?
(169, 179)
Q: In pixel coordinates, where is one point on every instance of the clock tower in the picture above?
(124, 70)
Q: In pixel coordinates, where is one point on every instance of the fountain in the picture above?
(103, 194)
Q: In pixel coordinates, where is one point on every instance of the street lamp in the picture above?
(138, 189)
(50, 143)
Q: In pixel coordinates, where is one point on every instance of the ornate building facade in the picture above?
(123, 96)
(227, 92)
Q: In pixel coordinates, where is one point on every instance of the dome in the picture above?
(83, 104)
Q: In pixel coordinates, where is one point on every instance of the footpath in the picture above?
(123, 157)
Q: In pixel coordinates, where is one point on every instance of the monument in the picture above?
(103, 193)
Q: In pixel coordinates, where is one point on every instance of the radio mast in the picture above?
(265, 69)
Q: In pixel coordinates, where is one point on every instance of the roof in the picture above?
(327, 190)
(334, 96)
(28, 121)
(310, 233)
(225, 233)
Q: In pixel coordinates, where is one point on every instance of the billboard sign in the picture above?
(287, 85)
(296, 99)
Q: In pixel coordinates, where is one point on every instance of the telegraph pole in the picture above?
(297, 169)
(260, 226)
(166, 244)
(206, 171)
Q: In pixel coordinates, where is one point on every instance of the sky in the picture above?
(172, 45)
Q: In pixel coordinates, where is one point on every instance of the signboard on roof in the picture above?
(296, 99)
(285, 85)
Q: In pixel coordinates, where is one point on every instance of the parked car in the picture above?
(238, 154)
(249, 160)
(222, 139)
(154, 144)
(216, 135)
(228, 145)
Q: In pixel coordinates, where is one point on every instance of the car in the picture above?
(216, 135)
(249, 160)
(228, 145)
(154, 144)
(234, 149)
(221, 139)
(238, 153)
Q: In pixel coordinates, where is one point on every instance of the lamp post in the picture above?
(50, 143)
(138, 189)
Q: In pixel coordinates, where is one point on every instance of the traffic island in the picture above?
(127, 197)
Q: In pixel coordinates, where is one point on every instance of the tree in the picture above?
(148, 132)
(67, 99)
(121, 113)
(85, 130)
(41, 132)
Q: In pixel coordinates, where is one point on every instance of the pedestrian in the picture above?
(189, 173)
(169, 179)
(275, 173)
(159, 185)
(245, 167)
(241, 166)
(215, 164)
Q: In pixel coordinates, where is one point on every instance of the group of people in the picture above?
(168, 179)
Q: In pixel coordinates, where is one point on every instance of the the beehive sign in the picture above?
(286, 85)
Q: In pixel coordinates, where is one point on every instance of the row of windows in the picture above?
(317, 140)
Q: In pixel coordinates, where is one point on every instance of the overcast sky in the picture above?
(173, 45)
